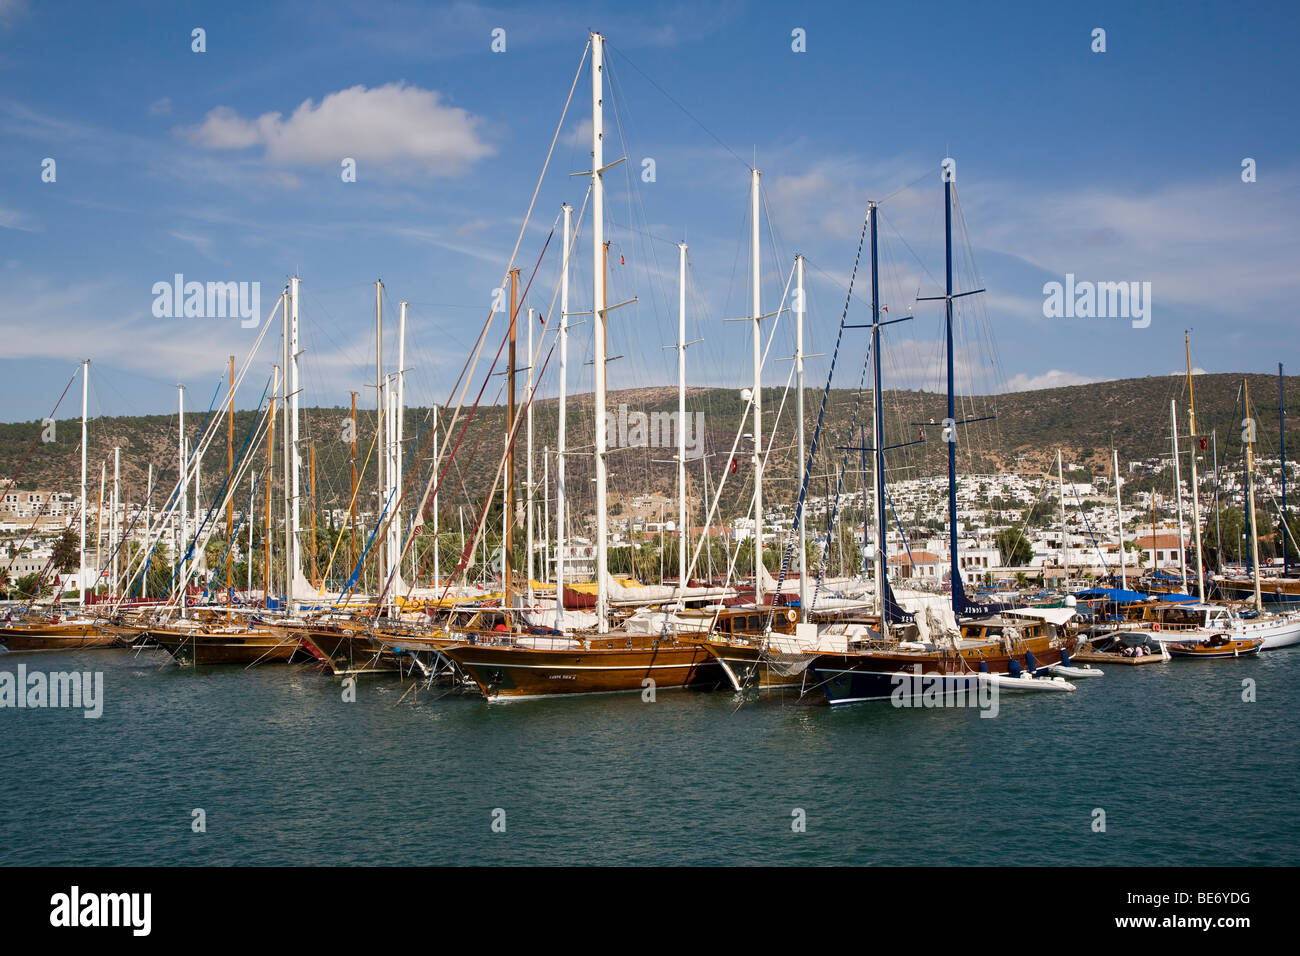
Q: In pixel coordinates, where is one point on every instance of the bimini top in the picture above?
(1117, 595)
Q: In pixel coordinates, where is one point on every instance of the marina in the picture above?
(582, 451)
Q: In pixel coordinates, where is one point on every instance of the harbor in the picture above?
(529, 473)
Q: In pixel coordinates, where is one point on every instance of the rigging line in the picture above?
(821, 411)
(675, 103)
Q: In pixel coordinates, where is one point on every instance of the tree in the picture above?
(67, 550)
(1014, 547)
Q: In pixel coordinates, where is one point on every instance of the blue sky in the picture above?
(225, 166)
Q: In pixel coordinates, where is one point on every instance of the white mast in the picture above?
(85, 390)
(598, 313)
(379, 419)
(1119, 513)
(184, 489)
(528, 474)
(681, 420)
(546, 510)
(798, 373)
(559, 457)
(758, 392)
(298, 584)
(437, 571)
(1196, 494)
(396, 422)
(1065, 541)
(1178, 494)
(114, 527)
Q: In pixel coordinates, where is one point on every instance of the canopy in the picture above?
(1117, 595)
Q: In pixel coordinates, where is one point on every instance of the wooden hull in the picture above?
(55, 637)
(746, 668)
(1215, 652)
(247, 649)
(505, 672)
(1107, 657)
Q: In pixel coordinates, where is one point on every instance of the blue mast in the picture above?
(961, 605)
(882, 580)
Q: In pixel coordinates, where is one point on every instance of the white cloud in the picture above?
(1053, 378)
(395, 125)
(161, 107)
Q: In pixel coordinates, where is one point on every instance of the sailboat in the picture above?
(994, 648)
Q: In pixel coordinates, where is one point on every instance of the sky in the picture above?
(226, 165)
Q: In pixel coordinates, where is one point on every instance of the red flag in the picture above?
(884, 308)
(622, 261)
(1205, 444)
(733, 466)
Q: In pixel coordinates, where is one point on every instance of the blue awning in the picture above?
(1117, 595)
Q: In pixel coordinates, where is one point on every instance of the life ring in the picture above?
(790, 615)
(1155, 626)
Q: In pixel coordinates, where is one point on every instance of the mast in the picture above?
(85, 392)
(1065, 540)
(598, 332)
(352, 501)
(294, 580)
(437, 568)
(148, 508)
(395, 424)
(1178, 494)
(954, 573)
(508, 490)
(1119, 513)
(798, 373)
(286, 459)
(681, 418)
(528, 475)
(1218, 537)
(1250, 494)
(184, 490)
(546, 511)
(878, 432)
(379, 417)
(559, 457)
(756, 268)
(1196, 494)
(311, 496)
(268, 541)
(99, 524)
(252, 490)
(1281, 428)
(230, 471)
(114, 527)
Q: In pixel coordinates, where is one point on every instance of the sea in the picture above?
(1178, 764)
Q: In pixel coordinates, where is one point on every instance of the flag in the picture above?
(733, 466)
(1205, 444)
(621, 260)
(884, 308)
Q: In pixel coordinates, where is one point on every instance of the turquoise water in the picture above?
(289, 773)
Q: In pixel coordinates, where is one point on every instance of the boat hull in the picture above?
(55, 637)
(201, 650)
(512, 673)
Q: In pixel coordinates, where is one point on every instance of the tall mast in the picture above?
(1281, 428)
(230, 471)
(598, 331)
(396, 423)
(379, 417)
(528, 476)
(352, 501)
(294, 580)
(1196, 494)
(1065, 541)
(437, 569)
(286, 459)
(248, 561)
(85, 392)
(546, 511)
(114, 527)
(681, 418)
(1119, 514)
(798, 374)
(954, 572)
(508, 490)
(1250, 494)
(1218, 537)
(878, 431)
(756, 269)
(311, 498)
(184, 490)
(99, 525)
(268, 545)
(1178, 494)
(559, 457)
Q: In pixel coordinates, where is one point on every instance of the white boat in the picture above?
(1025, 682)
